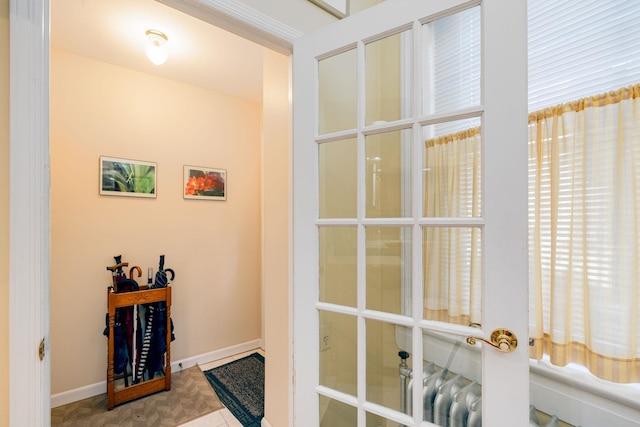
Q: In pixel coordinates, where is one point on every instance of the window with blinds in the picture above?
(585, 50)
(580, 48)
(582, 202)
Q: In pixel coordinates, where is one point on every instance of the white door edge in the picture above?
(29, 213)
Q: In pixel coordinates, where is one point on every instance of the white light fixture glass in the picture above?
(156, 47)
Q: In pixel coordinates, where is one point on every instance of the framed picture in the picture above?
(204, 183)
(338, 8)
(123, 177)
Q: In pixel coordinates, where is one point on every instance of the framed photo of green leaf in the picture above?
(204, 183)
(123, 177)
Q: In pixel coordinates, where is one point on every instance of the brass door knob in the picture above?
(501, 339)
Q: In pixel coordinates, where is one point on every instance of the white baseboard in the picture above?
(265, 423)
(77, 394)
(212, 356)
(96, 389)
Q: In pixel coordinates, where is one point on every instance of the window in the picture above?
(581, 48)
(584, 179)
(583, 196)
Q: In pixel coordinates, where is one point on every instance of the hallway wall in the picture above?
(213, 246)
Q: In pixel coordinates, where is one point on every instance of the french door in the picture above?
(410, 233)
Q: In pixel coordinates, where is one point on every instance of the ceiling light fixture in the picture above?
(156, 47)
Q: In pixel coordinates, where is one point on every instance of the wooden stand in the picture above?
(127, 299)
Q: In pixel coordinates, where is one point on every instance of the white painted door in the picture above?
(410, 187)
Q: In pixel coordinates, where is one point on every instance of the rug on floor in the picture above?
(240, 387)
(190, 397)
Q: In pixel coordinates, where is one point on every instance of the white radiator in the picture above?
(449, 400)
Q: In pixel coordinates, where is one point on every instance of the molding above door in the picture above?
(241, 20)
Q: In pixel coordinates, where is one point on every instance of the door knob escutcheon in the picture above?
(501, 339)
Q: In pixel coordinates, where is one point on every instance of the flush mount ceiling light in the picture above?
(156, 47)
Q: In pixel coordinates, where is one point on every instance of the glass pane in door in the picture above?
(337, 92)
(388, 70)
(334, 413)
(449, 383)
(453, 62)
(389, 269)
(338, 267)
(338, 178)
(383, 380)
(378, 421)
(338, 351)
(453, 274)
(452, 378)
(453, 169)
(388, 174)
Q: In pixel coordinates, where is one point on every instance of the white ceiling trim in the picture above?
(241, 20)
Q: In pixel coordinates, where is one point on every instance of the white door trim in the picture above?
(241, 20)
(29, 213)
(29, 190)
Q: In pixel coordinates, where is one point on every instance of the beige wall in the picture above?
(213, 246)
(4, 213)
(276, 191)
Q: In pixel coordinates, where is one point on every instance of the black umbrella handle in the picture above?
(161, 268)
(118, 259)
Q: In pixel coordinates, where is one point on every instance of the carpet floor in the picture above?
(190, 397)
(240, 386)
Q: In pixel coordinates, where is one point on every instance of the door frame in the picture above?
(29, 212)
(29, 197)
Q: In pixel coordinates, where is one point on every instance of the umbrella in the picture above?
(124, 318)
(154, 343)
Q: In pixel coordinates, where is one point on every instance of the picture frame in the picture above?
(129, 178)
(204, 183)
(338, 8)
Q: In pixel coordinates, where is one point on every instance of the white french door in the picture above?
(410, 210)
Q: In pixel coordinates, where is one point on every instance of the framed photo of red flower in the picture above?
(204, 183)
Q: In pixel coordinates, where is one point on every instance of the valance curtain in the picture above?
(584, 232)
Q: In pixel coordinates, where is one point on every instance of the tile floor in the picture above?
(223, 417)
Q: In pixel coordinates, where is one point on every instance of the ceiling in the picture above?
(200, 54)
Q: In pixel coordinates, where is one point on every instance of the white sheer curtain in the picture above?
(584, 234)
(452, 258)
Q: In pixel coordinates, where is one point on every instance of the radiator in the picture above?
(449, 400)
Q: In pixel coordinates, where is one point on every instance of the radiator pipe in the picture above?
(405, 373)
